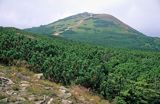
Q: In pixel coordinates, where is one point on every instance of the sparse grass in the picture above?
(48, 83)
(2, 102)
(23, 71)
(28, 102)
(2, 95)
(16, 87)
(38, 87)
(79, 91)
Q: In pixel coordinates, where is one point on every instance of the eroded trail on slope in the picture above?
(74, 26)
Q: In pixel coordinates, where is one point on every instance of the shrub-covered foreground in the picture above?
(122, 76)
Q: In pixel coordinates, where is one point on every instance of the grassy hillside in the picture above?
(101, 29)
(122, 76)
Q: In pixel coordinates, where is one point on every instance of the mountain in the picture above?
(120, 76)
(101, 29)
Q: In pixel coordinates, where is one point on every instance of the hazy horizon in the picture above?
(142, 15)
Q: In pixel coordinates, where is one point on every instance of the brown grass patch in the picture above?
(83, 94)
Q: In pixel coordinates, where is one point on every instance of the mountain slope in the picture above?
(101, 29)
(119, 75)
(26, 87)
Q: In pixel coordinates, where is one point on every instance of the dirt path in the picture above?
(73, 26)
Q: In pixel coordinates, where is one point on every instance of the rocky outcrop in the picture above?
(65, 95)
(21, 76)
(5, 81)
(66, 101)
(22, 86)
(39, 76)
(32, 89)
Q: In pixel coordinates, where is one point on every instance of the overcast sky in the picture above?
(143, 15)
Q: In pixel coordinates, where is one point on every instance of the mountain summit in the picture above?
(101, 29)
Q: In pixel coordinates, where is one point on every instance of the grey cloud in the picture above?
(142, 15)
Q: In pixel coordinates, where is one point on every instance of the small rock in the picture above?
(31, 98)
(35, 98)
(50, 101)
(48, 88)
(66, 101)
(39, 102)
(5, 81)
(1, 74)
(65, 95)
(63, 88)
(10, 92)
(81, 98)
(68, 95)
(24, 85)
(5, 100)
(91, 99)
(63, 91)
(20, 99)
(22, 77)
(39, 76)
(14, 93)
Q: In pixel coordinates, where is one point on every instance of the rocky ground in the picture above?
(18, 85)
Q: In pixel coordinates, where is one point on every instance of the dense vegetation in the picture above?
(122, 76)
(99, 29)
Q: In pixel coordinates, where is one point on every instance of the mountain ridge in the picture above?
(86, 16)
(98, 29)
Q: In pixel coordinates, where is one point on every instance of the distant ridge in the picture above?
(99, 29)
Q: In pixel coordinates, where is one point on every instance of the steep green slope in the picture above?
(122, 76)
(101, 29)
